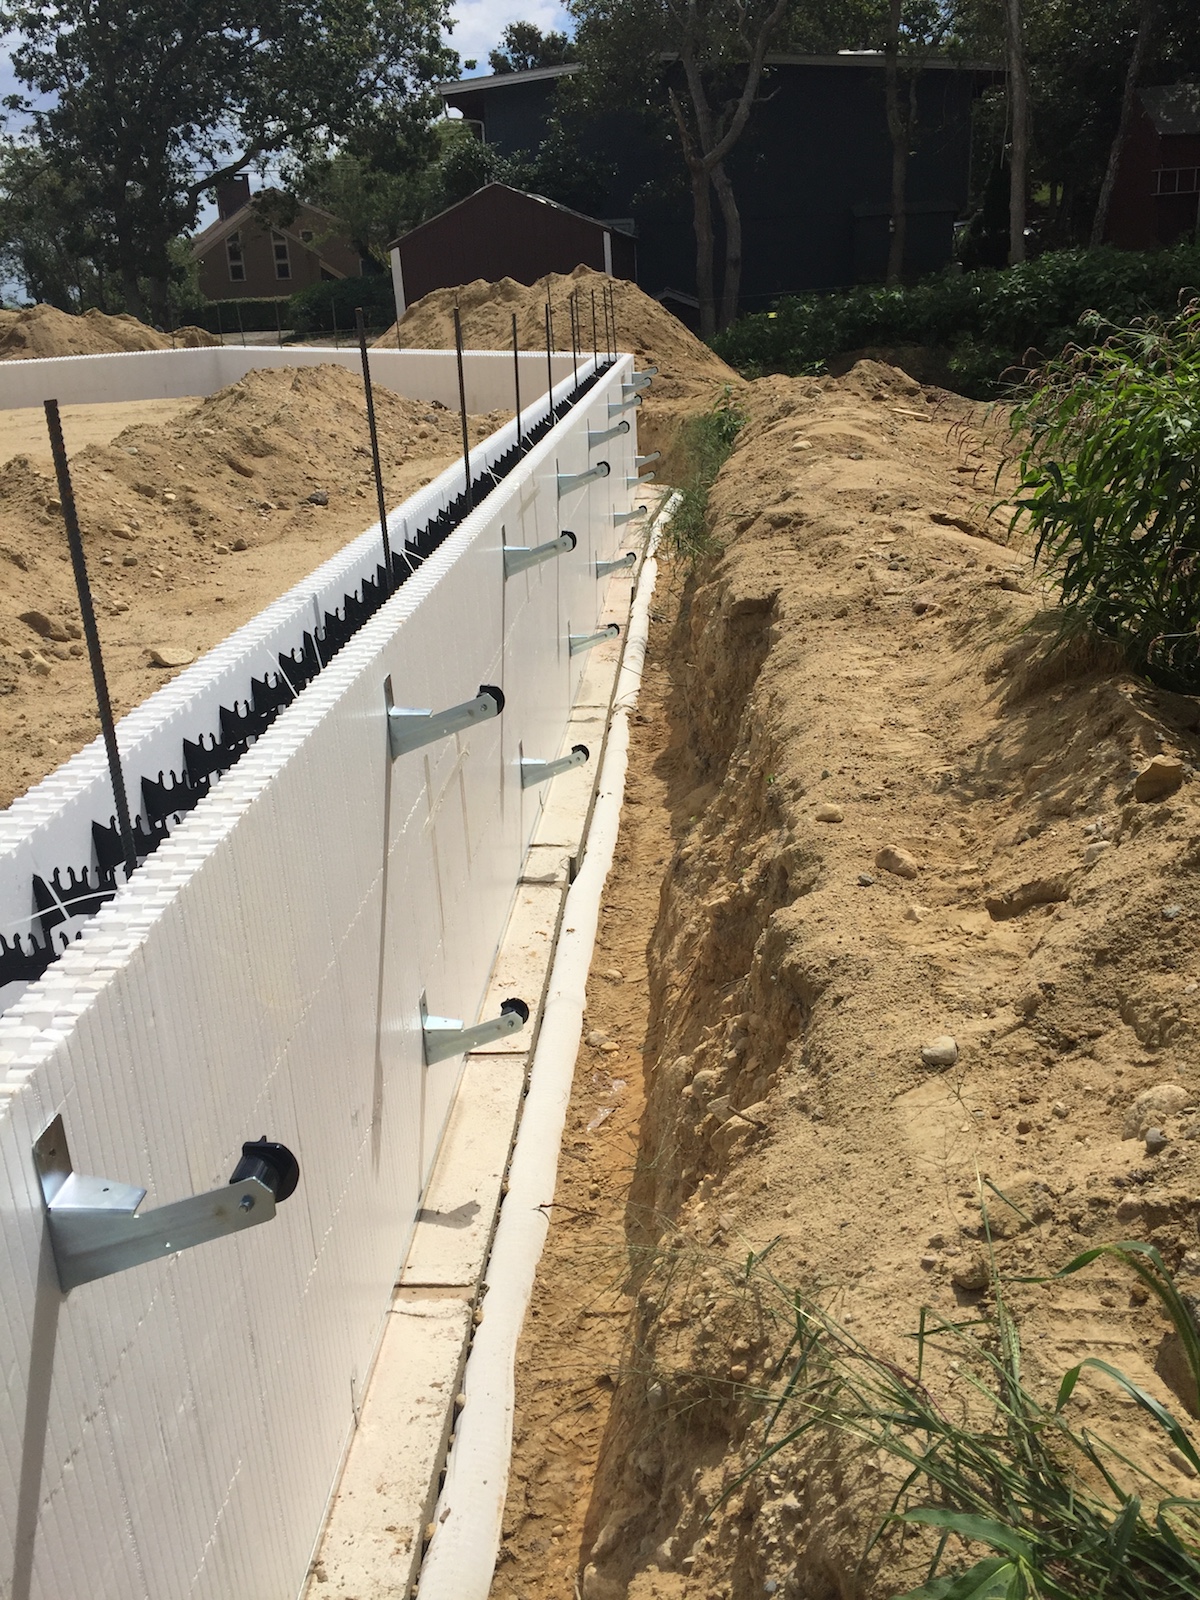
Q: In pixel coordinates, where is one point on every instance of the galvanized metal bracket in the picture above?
(606, 434)
(579, 642)
(628, 516)
(570, 481)
(95, 1226)
(642, 379)
(632, 483)
(446, 1036)
(519, 558)
(409, 729)
(533, 772)
(644, 461)
(603, 568)
(628, 400)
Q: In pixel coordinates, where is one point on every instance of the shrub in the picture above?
(707, 441)
(221, 316)
(1108, 483)
(329, 306)
(987, 321)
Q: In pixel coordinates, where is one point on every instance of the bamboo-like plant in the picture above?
(1110, 487)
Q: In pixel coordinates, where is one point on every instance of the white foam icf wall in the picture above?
(175, 1430)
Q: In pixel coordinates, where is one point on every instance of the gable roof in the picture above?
(219, 230)
(520, 194)
(1173, 109)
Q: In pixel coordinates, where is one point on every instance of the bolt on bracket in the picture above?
(628, 516)
(606, 434)
(533, 772)
(518, 558)
(644, 461)
(409, 729)
(445, 1036)
(570, 481)
(603, 568)
(579, 642)
(627, 401)
(95, 1226)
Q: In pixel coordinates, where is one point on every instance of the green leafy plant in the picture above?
(708, 440)
(1056, 1510)
(1109, 436)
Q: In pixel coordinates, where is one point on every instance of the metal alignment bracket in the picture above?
(606, 434)
(518, 557)
(445, 1036)
(568, 481)
(409, 729)
(603, 568)
(579, 642)
(632, 483)
(541, 771)
(641, 380)
(627, 400)
(644, 461)
(628, 516)
(95, 1228)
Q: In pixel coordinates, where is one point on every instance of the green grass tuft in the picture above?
(707, 440)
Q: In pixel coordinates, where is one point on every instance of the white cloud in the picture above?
(479, 24)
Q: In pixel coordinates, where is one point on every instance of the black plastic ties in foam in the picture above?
(24, 961)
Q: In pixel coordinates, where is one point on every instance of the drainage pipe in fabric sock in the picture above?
(461, 1558)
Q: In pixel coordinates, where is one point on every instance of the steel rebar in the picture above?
(517, 376)
(462, 407)
(361, 325)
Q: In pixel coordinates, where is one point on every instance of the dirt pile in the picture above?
(190, 528)
(690, 377)
(919, 940)
(45, 331)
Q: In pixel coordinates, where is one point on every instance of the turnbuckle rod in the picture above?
(626, 403)
(519, 558)
(606, 434)
(603, 568)
(533, 772)
(579, 642)
(628, 516)
(568, 482)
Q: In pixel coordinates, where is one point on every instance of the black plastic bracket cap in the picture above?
(567, 534)
(272, 1164)
(496, 694)
(518, 1008)
(581, 750)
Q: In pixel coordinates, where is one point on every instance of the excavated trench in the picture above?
(870, 805)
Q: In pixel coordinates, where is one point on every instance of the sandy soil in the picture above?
(868, 651)
(46, 331)
(23, 432)
(191, 526)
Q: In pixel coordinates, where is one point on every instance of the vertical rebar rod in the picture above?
(574, 339)
(278, 324)
(220, 329)
(462, 409)
(517, 376)
(595, 341)
(333, 315)
(361, 324)
(91, 633)
(549, 362)
(610, 322)
(241, 324)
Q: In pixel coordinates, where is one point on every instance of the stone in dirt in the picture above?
(46, 627)
(170, 655)
(892, 859)
(1160, 778)
(829, 813)
(940, 1052)
(1161, 1100)
(1156, 1141)
(972, 1274)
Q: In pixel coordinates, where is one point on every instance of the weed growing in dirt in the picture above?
(1108, 484)
(708, 440)
(1059, 1511)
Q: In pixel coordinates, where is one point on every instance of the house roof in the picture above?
(1174, 109)
(219, 230)
(522, 194)
(844, 58)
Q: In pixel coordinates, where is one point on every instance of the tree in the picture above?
(524, 46)
(144, 105)
(1018, 109)
(1149, 16)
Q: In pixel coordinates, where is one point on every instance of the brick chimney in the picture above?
(232, 195)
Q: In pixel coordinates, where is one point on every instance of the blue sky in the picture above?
(479, 23)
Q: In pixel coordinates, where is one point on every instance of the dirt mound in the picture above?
(190, 528)
(897, 814)
(690, 376)
(45, 331)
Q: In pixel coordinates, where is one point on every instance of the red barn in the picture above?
(1157, 191)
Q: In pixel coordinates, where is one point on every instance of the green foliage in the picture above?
(1108, 485)
(1058, 1511)
(523, 46)
(708, 440)
(988, 322)
(257, 316)
(324, 307)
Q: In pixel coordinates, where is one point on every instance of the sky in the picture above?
(479, 24)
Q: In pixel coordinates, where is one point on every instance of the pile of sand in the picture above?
(690, 377)
(47, 331)
(191, 527)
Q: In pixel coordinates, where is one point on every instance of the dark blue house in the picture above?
(812, 172)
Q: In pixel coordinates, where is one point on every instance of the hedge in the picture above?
(987, 324)
(323, 306)
(258, 316)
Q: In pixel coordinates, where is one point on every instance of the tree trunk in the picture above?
(1147, 23)
(898, 133)
(702, 222)
(732, 285)
(1018, 106)
(132, 290)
